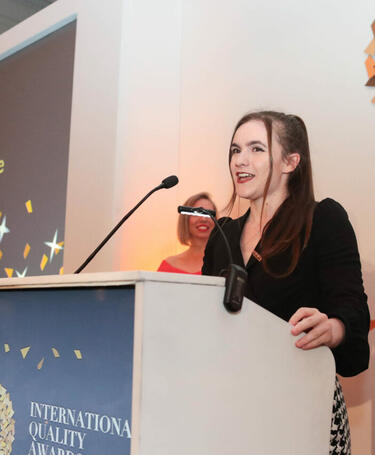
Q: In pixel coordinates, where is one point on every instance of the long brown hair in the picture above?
(290, 227)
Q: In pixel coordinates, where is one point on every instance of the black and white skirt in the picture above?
(340, 433)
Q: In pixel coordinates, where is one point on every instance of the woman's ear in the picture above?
(291, 162)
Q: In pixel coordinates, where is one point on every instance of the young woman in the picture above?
(193, 231)
(301, 256)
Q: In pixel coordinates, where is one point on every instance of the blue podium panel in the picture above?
(66, 365)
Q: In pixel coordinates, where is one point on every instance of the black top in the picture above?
(328, 277)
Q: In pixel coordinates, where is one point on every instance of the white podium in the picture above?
(202, 381)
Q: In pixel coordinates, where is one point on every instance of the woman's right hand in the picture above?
(320, 330)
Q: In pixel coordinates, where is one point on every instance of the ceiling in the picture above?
(14, 11)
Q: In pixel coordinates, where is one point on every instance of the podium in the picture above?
(147, 363)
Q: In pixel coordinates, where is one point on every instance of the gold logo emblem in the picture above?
(6, 422)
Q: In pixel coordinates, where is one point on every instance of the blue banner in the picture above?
(66, 365)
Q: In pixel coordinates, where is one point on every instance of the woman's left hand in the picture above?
(320, 330)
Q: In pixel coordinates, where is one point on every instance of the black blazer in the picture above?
(328, 277)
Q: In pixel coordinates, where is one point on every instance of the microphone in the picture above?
(168, 182)
(235, 276)
(197, 211)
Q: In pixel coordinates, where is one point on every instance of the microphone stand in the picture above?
(166, 183)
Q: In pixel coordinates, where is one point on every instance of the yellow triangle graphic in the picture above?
(9, 272)
(25, 351)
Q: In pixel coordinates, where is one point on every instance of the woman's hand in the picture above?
(320, 330)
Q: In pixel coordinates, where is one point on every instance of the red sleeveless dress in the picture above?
(166, 267)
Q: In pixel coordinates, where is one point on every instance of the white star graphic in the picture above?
(3, 228)
(23, 274)
(54, 246)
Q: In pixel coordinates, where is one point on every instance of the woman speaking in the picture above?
(301, 255)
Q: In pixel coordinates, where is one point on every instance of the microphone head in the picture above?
(170, 181)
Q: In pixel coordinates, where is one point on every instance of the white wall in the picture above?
(148, 130)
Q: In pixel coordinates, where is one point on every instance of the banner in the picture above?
(66, 364)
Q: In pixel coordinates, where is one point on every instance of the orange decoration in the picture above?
(370, 66)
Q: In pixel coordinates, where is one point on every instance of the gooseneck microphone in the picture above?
(168, 182)
(235, 275)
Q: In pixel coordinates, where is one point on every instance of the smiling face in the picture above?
(250, 163)
(200, 227)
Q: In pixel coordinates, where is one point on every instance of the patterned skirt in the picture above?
(340, 433)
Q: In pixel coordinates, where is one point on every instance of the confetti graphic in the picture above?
(3, 228)
(34, 155)
(22, 259)
(59, 248)
(25, 351)
(9, 272)
(43, 262)
(53, 246)
(78, 354)
(29, 206)
(21, 274)
(56, 354)
(26, 251)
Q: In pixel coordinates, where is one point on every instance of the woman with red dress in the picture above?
(194, 232)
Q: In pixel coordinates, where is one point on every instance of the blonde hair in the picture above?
(183, 233)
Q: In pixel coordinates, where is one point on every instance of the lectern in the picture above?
(147, 363)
